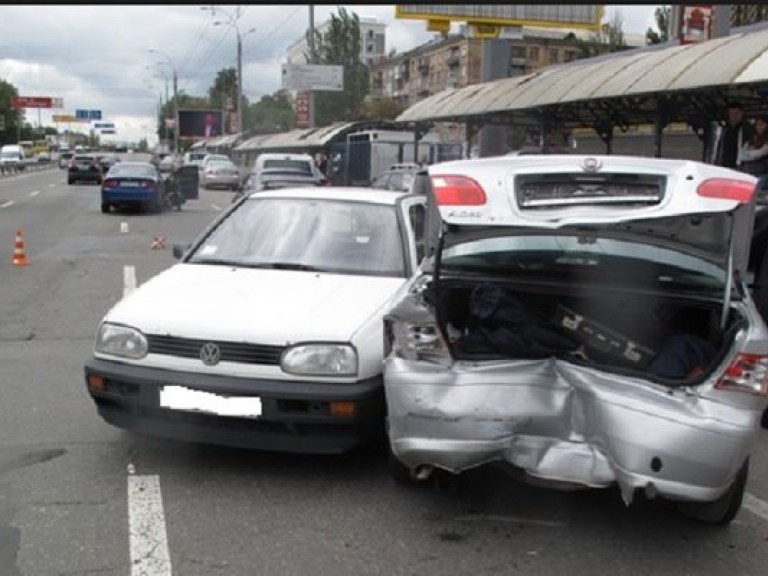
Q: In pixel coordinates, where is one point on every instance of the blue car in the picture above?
(132, 184)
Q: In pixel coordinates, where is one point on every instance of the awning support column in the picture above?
(604, 130)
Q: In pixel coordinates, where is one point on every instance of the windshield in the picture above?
(323, 235)
(570, 258)
(135, 170)
(295, 165)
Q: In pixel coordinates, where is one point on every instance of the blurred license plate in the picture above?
(128, 184)
(182, 398)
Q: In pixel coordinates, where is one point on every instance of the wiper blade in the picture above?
(292, 266)
(216, 262)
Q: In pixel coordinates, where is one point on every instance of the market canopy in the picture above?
(682, 83)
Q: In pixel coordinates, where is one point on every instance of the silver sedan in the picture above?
(220, 174)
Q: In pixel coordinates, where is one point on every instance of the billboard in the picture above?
(439, 16)
(200, 123)
(302, 110)
(301, 77)
(695, 23)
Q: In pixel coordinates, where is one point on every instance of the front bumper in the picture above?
(567, 426)
(295, 415)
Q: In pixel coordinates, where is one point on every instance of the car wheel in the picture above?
(105, 208)
(764, 421)
(721, 511)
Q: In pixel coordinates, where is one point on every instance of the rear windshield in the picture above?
(294, 165)
(569, 259)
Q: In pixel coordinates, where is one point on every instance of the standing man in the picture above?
(735, 134)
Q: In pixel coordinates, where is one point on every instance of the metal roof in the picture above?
(306, 138)
(699, 78)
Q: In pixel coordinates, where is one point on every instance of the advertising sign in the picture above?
(199, 123)
(302, 77)
(31, 102)
(64, 118)
(695, 23)
(104, 125)
(439, 16)
(302, 110)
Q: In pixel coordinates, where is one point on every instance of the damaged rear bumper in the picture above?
(567, 425)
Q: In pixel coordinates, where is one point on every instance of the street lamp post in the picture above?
(175, 99)
(232, 21)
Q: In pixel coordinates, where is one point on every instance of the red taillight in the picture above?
(109, 183)
(457, 191)
(147, 184)
(727, 189)
(747, 373)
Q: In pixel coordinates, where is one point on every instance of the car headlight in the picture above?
(320, 360)
(120, 340)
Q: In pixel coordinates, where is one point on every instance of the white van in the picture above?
(12, 158)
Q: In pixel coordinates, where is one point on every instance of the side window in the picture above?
(395, 181)
(417, 215)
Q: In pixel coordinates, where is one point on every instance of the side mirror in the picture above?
(179, 250)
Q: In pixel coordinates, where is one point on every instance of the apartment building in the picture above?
(372, 45)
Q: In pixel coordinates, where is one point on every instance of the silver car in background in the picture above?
(220, 174)
(583, 321)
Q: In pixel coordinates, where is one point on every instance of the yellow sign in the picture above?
(439, 16)
(64, 118)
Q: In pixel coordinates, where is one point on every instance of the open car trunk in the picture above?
(656, 336)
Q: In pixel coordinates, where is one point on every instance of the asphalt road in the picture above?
(72, 486)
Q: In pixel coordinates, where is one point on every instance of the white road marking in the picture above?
(51, 185)
(149, 539)
(124, 227)
(215, 207)
(9, 203)
(756, 506)
(129, 280)
(35, 193)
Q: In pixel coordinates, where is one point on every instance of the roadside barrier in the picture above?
(29, 167)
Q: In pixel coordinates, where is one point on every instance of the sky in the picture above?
(97, 57)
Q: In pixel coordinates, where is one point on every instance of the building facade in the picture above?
(372, 42)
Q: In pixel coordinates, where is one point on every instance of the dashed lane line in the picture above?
(9, 203)
(149, 538)
(756, 506)
(34, 193)
(124, 227)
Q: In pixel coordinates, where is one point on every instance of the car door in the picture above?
(412, 217)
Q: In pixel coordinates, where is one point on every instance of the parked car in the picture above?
(274, 178)
(220, 174)
(84, 168)
(397, 177)
(194, 158)
(584, 320)
(288, 354)
(212, 158)
(132, 184)
(107, 161)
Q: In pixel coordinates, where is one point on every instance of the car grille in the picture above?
(230, 351)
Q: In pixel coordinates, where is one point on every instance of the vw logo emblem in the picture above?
(591, 165)
(210, 354)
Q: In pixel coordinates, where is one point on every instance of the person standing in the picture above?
(735, 134)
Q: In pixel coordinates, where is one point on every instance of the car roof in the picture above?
(354, 193)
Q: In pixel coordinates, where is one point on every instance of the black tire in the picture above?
(720, 512)
(70, 181)
(764, 421)
(400, 472)
(105, 208)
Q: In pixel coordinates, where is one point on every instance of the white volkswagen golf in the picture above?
(585, 321)
(268, 333)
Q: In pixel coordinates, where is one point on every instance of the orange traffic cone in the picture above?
(19, 258)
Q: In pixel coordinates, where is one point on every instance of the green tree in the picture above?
(271, 114)
(610, 39)
(340, 45)
(12, 117)
(380, 109)
(663, 16)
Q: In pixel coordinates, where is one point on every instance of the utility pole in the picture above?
(239, 106)
(311, 61)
